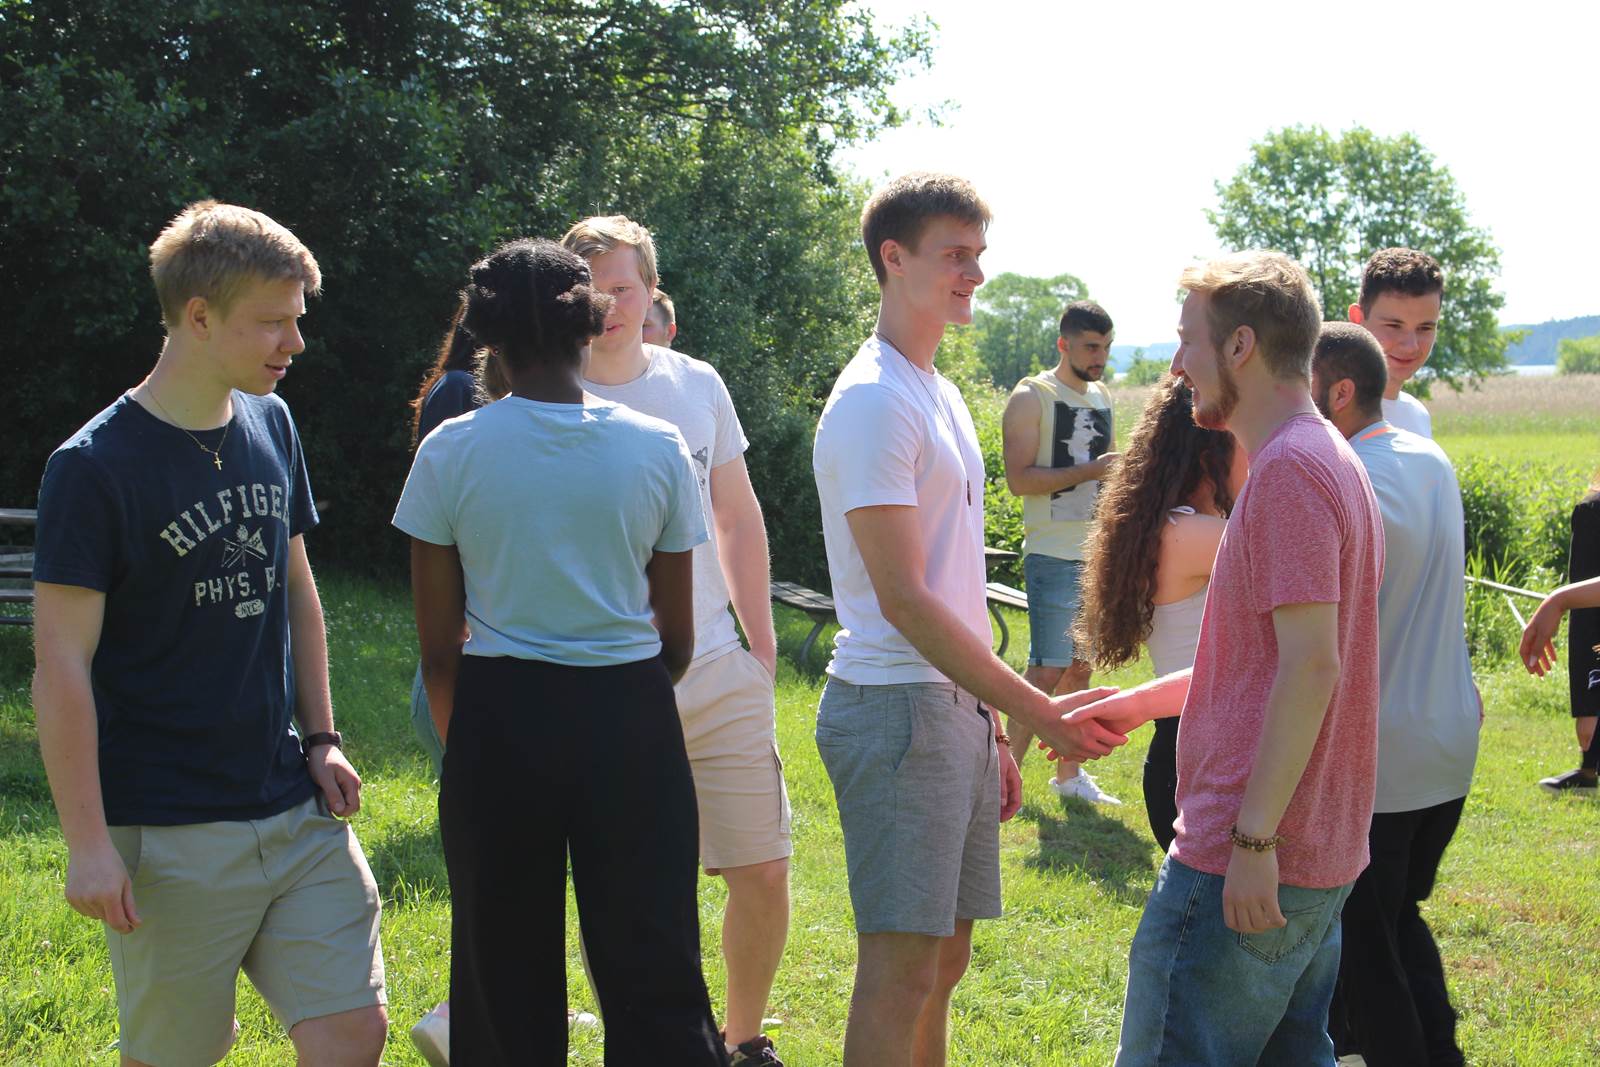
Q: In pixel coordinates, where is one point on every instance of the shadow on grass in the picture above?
(1073, 836)
(408, 864)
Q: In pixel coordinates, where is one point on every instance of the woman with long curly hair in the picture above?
(1149, 556)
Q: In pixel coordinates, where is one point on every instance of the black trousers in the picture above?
(545, 758)
(1391, 1004)
(1161, 781)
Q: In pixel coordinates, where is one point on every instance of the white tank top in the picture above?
(1175, 627)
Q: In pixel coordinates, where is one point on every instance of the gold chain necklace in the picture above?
(940, 410)
(216, 453)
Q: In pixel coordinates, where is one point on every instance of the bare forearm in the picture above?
(1296, 707)
(1159, 698)
(69, 739)
(1585, 594)
(963, 657)
(439, 671)
(742, 552)
(1036, 481)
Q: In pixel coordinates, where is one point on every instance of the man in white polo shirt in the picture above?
(903, 730)
(1393, 1007)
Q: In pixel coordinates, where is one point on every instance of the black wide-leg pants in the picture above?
(543, 759)
(1392, 1005)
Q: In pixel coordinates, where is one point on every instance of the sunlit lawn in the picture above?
(1515, 911)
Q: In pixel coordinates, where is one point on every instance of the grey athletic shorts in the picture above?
(917, 781)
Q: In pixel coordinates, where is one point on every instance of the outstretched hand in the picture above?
(1077, 739)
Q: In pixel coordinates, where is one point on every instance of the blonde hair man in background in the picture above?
(726, 699)
(661, 324)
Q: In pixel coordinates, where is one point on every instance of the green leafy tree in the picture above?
(1330, 201)
(401, 142)
(1578, 355)
(1017, 321)
(1142, 370)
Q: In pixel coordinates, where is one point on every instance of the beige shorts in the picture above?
(290, 899)
(727, 709)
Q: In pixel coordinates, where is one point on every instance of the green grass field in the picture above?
(1517, 910)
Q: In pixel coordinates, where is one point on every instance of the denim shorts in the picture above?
(1052, 588)
(917, 781)
(1202, 995)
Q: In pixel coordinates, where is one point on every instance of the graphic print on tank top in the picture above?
(1082, 435)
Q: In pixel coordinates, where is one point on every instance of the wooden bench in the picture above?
(16, 568)
(818, 606)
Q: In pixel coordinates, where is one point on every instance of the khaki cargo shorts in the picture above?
(289, 899)
(726, 705)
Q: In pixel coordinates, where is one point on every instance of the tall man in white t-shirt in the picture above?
(904, 727)
(1392, 1006)
(1058, 441)
(726, 698)
(1402, 294)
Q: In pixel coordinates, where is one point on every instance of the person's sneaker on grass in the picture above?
(757, 1052)
(431, 1035)
(1083, 787)
(1580, 780)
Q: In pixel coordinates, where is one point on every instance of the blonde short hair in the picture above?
(1271, 294)
(664, 302)
(214, 250)
(599, 234)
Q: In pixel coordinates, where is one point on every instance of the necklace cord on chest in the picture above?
(941, 411)
(215, 453)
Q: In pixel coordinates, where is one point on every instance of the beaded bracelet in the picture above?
(1254, 844)
(1002, 738)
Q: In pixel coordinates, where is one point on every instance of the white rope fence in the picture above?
(1507, 591)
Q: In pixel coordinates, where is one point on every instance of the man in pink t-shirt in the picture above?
(1237, 952)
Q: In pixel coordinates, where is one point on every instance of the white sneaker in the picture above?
(1084, 788)
(431, 1035)
(581, 1020)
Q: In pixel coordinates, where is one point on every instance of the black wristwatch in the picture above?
(327, 737)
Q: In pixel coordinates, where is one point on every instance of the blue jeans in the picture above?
(1199, 993)
(1052, 587)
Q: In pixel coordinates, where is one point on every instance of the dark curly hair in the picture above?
(1167, 459)
(531, 301)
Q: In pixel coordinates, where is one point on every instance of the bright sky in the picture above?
(1097, 131)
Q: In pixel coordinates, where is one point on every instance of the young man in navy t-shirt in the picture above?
(178, 631)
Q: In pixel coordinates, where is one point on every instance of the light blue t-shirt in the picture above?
(1428, 711)
(555, 510)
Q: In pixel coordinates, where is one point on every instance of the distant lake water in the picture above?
(1534, 370)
